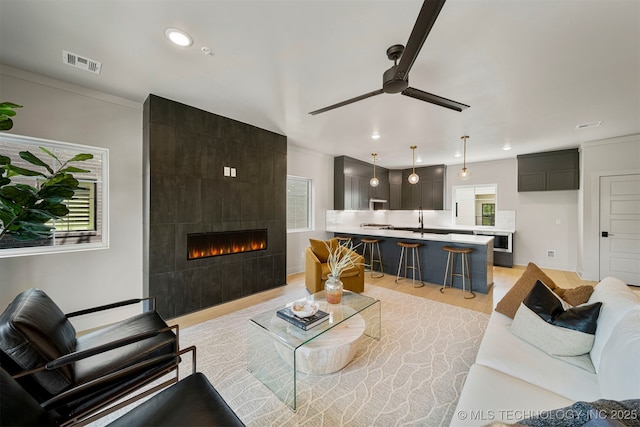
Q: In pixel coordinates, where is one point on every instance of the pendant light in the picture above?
(374, 181)
(464, 173)
(413, 178)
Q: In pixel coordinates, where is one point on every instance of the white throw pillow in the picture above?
(619, 374)
(617, 299)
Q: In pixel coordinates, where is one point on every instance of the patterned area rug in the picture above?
(412, 376)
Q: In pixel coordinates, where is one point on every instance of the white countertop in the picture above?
(469, 239)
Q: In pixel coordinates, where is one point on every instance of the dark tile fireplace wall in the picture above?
(185, 152)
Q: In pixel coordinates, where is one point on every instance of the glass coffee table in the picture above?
(277, 350)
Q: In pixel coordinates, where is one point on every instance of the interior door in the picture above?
(620, 228)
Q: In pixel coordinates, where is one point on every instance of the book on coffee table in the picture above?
(302, 322)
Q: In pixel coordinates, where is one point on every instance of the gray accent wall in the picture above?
(185, 152)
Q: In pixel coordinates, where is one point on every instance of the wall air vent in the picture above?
(588, 125)
(81, 62)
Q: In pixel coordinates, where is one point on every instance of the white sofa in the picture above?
(511, 379)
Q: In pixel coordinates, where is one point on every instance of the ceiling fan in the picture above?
(396, 78)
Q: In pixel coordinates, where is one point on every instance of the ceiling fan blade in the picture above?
(434, 99)
(424, 23)
(348, 101)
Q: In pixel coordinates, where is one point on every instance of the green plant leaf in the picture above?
(57, 209)
(49, 153)
(7, 112)
(61, 179)
(5, 160)
(60, 192)
(20, 194)
(5, 123)
(8, 105)
(71, 169)
(24, 172)
(29, 157)
(81, 157)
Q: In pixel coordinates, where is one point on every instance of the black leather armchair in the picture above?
(191, 402)
(75, 377)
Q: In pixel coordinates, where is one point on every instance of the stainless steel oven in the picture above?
(502, 240)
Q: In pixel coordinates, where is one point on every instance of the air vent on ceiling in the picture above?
(81, 62)
(588, 125)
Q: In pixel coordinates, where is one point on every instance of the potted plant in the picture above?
(340, 259)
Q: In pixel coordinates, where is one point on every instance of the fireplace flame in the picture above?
(225, 243)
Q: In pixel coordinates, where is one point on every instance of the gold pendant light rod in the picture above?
(374, 182)
(464, 174)
(413, 178)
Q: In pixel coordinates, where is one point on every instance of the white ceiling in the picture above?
(531, 70)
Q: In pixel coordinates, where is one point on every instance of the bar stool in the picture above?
(372, 245)
(415, 261)
(451, 263)
(343, 240)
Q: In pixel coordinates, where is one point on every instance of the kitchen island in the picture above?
(432, 258)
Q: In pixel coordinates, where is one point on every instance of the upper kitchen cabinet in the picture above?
(552, 170)
(351, 184)
(428, 193)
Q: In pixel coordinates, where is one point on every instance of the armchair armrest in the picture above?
(79, 355)
(113, 305)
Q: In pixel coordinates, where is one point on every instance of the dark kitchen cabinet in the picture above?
(428, 193)
(549, 171)
(351, 184)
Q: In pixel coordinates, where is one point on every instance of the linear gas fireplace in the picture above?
(203, 245)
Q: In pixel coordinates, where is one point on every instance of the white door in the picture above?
(620, 228)
(464, 206)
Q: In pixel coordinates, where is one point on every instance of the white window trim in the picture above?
(311, 218)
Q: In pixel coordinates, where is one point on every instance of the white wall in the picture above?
(319, 167)
(537, 214)
(63, 112)
(615, 156)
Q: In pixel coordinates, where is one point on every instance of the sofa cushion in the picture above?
(542, 321)
(490, 395)
(617, 299)
(575, 296)
(319, 248)
(510, 303)
(503, 351)
(619, 373)
(34, 331)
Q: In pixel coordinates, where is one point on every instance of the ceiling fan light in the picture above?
(413, 178)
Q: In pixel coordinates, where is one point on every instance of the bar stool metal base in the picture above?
(415, 262)
(372, 245)
(464, 273)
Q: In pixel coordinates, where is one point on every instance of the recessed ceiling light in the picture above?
(179, 37)
(458, 154)
(506, 147)
(375, 135)
(419, 159)
(589, 125)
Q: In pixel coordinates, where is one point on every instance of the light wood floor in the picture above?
(482, 302)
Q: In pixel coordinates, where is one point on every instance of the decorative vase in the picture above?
(333, 289)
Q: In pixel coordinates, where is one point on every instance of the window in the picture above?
(86, 225)
(298, 204)
(82, 210)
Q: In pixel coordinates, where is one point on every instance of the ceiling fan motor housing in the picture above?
(391, 84)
